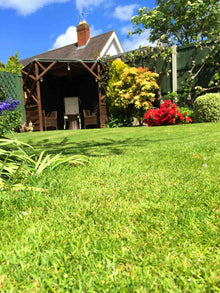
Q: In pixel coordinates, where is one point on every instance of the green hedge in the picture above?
(207, 108)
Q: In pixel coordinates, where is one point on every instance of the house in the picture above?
(70, 71)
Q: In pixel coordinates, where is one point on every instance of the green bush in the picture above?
(207, 108)
(118, 121)
(190, 112)
(10, 121)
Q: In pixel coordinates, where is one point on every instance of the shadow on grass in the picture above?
(92, 148)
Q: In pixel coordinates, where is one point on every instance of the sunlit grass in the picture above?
(142, 216)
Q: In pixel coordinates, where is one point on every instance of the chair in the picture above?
(90, 118)
(32, 115)
(50, 119)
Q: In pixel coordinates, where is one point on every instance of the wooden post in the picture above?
(174, 68)
(102, 106)
(38, 97)
(100, 95)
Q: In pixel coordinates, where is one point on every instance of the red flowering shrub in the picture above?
(168, 114)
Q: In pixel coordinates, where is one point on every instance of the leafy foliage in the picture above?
(115, 70)
(207, 108)
(12, 64)
(187, 111)
(2, 66)
(10, 121)
(179, 22)
(157, 59)
(131, 89)
(10, 118)
(185, 22)
(190, 85)
(119, 120)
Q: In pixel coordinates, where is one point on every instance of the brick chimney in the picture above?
(82, 33)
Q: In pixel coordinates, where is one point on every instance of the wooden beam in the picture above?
(28, 75)
(29, 70)
(45, 71)
(32, 88)
(42, 74)
(24, 97)
(38, 96)
(102, 97)
(89, 69)
(42, 67)
(93, 66)
(34, 98)
(39, 76)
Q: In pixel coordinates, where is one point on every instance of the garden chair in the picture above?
(90, 118)
(50, 119)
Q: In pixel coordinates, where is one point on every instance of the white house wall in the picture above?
(113, 46)
(112, 49)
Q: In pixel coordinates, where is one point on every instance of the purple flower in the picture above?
(8, 105)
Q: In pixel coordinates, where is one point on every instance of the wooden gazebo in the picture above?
(70, 71)
(47, 81)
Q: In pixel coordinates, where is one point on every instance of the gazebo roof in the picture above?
(72, 52)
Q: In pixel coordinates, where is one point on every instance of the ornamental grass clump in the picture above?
(18, 163)
(168, 114)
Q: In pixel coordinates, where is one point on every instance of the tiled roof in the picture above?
(71, 52)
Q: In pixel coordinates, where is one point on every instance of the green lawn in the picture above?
(141, 216)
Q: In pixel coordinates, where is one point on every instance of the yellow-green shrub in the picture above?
(131, 88)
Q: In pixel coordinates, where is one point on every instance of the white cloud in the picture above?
(80, 4)
(125, 12)
(70, 36)
(26, 7)
(135, 41)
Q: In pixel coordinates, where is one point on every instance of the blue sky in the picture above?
(35, 26)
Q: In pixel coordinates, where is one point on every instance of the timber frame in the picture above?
(34, 72)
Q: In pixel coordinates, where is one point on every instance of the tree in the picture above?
(183, 22)
(179, 21)
(211, 59)
(2, 66)
(12, 64)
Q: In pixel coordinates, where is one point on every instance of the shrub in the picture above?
(190, 112)
(130, 90)
(136, 87)
(168, 114)
(118, 120)
(207, 108)
(10, 118)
